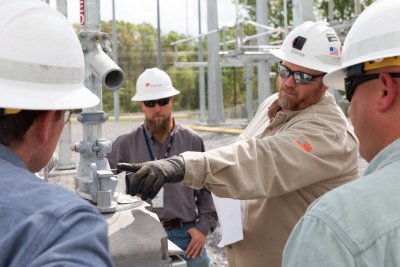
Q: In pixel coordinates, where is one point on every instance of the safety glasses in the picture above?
(152, 103)
(351, 82)
(67, 116)
(299, 76)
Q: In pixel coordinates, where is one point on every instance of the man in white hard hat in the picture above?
(187, 215)
(358, 224)
(41, 79)
(298, 146)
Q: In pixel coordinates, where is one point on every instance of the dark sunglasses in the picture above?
(152, 103)
(299, 76)
(351, 82)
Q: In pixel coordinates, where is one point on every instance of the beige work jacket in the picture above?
(281, 164)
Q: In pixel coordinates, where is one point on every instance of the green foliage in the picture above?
(344, 9)
(137, 50)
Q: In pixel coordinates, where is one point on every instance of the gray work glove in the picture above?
(150, 176)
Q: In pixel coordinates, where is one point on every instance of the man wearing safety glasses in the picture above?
(42, 76)
(187, 215)
(298, 146)
(358, 224)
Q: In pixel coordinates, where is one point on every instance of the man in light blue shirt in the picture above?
(358, 224)
(41, 79)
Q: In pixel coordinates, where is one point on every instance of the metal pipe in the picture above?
(94, 182)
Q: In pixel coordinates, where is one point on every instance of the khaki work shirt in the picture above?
(281, 164)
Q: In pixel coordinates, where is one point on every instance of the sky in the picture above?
(175, 15)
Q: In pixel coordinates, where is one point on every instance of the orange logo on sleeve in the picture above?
(303, 143)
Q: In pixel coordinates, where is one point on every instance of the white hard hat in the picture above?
(41, 59)
(311, 45)
(154, 84)
(375, 35)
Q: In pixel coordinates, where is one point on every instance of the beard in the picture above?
(288, 102)
(158, 126)
(292, 101)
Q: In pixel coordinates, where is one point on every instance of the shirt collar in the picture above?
(386, 156)
(8, 155)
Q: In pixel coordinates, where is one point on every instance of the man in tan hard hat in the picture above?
(298, 146)
(358, 224)
(187, 215)
(41, 79)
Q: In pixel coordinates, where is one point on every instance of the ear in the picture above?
(387, 93)
(172, 100)
(141, 105)
(43, 126)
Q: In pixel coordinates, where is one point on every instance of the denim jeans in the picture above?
(180, 237)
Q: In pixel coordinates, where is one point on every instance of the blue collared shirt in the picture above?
(357, 224)
(46, 225)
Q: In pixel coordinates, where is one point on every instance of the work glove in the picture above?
(150, 176)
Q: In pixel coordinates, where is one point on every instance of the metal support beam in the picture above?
(159, 56)
(215, 98)
(302, 11)
(202, 85)
(263, 67)
(249, 92)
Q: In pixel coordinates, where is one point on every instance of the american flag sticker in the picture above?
(304, 144)
(334, 51)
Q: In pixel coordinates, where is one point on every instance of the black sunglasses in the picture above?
(152, 103)
(351, 82)
(299, 76)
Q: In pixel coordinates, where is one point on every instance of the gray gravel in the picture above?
(211, 139)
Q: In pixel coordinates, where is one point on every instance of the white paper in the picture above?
(158, 201)
(230, 218)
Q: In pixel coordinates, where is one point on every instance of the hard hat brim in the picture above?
(144, 97)
(304, 63)
(335, 79)
(53, 96)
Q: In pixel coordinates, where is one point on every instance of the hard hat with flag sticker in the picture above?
(372, 42)
(41, 60)
(312, 45)
(154, 84)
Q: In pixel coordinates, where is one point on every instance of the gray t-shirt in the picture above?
(180, 202)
